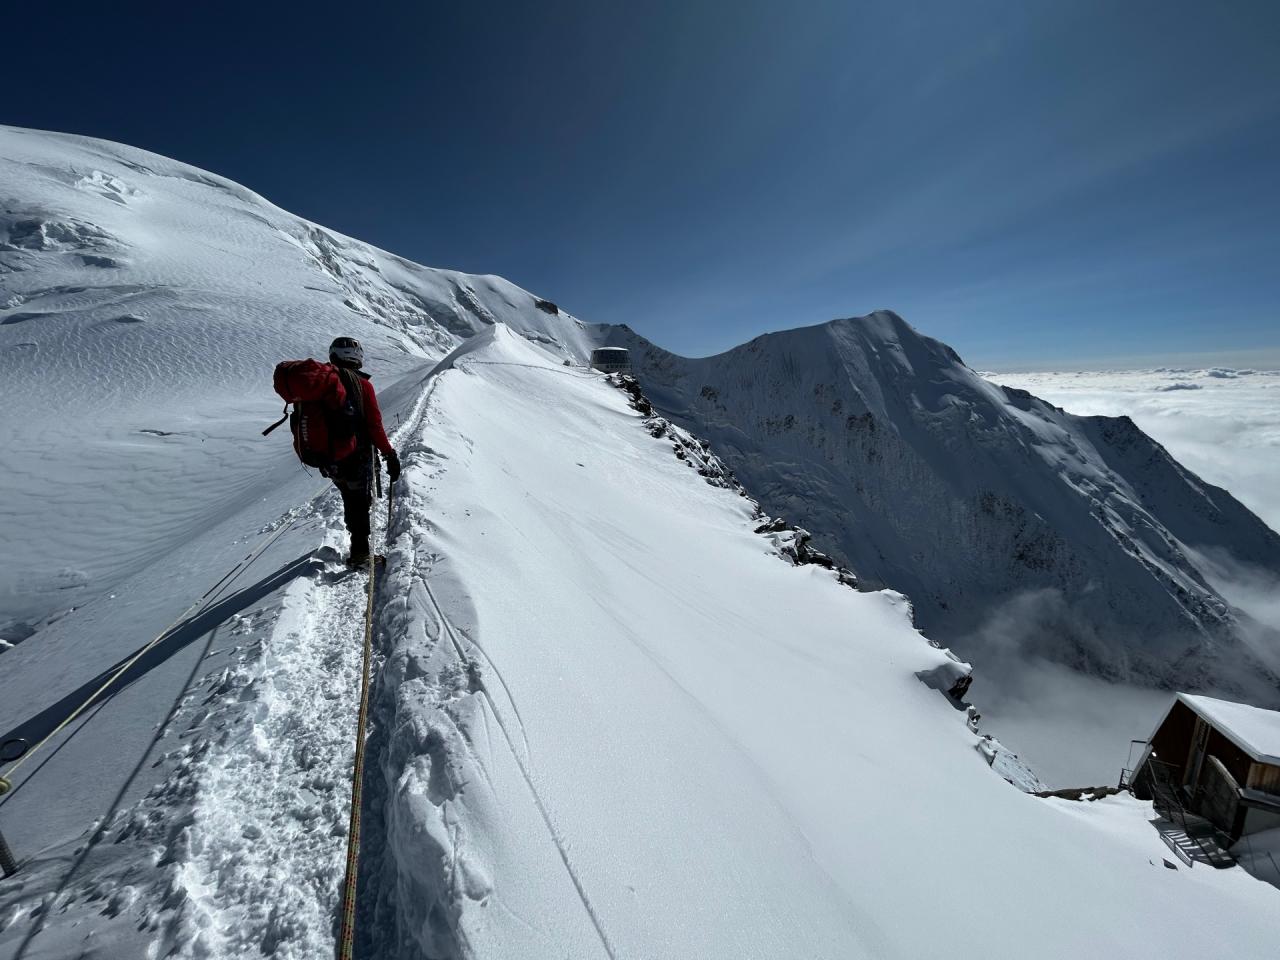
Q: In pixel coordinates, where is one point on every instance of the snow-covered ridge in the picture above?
(143, 304)
(611, 723)
(609, 720)
(906, 465)
(1222, 423)
(923, 476)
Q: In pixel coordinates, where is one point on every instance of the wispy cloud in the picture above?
(1074, 729)
(1222, 423)
(1253, 591)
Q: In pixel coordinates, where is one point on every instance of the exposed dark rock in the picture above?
(952, 677)
(791, 542)
(960, 687)
(1080, 793)
(776, 525)
(631, 386)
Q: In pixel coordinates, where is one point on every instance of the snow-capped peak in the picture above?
(610, 719)
(920, 474)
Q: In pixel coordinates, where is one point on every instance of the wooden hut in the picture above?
(1217, 759)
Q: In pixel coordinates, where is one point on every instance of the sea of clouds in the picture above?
(1224, 425)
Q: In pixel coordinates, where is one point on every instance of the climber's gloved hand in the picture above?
(393, 466)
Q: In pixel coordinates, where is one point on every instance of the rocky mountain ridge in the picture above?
(967, 496)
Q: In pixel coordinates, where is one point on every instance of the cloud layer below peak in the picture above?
(1222, 423)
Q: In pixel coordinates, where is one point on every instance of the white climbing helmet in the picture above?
(347, 352)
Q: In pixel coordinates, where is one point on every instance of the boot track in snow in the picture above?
(260, 864)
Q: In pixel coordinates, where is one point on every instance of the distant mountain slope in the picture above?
(143, 304)
(609, 720)
(618, 725)
(965, 495)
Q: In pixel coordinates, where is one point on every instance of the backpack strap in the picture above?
(278, 422)
(351, 382)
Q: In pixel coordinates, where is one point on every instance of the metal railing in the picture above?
(1172, 803)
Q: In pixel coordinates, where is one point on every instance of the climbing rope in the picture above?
(6, 783)
(346, 936)
(350, 883)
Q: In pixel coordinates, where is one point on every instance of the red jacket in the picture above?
(372, 417)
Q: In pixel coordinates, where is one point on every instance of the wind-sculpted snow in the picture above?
(612, 723)
(143, 304)
(619, 712)
(965, 495)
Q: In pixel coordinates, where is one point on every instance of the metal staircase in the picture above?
(1191, 837)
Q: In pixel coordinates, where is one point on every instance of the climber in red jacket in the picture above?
(353, 472)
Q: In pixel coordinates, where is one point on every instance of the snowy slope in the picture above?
(969, 497)
(143, 304)
(1224, 424)
(612, 721)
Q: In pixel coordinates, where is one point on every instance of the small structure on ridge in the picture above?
(611, 359)
(1216, 759)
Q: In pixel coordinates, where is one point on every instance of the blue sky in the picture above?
(1039, 184)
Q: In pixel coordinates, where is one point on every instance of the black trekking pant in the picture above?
(354, 479)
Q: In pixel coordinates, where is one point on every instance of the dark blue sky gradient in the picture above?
(1039, 184)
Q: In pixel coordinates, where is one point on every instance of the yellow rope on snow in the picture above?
(346, 936)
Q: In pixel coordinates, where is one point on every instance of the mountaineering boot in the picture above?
(359, 551)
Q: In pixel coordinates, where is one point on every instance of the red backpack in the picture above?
(325, 415)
